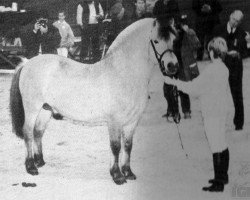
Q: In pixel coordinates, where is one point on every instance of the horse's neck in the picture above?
(134, 54)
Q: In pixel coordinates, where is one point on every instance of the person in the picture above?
(89, 17)
(167, 12)
(207, 17)
(67, 35)
(140, 10)
(235, 37)
(40, 37)
(185, 50)
(212, 88)
(165, 8)
(116, 14)
(129, 8)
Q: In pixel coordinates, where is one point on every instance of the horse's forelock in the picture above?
(164, 30)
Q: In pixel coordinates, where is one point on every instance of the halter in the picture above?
(159, 59)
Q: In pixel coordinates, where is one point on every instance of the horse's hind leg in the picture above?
(127, 142)
(115, 144)
(29, 142)
(40, 126)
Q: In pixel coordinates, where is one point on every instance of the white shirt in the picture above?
(229, 28)
(212, 87)
(92, 13)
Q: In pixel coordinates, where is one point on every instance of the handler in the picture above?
(212, 88)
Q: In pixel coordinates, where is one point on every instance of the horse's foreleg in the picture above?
(115, 144)
(127, 142)
(29, 138)
(40, 126)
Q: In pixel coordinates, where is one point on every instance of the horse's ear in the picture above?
(155, 30)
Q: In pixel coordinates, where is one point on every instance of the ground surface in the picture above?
(77, 157)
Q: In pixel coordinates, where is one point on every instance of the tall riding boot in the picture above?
(221, 164)
(225, 156)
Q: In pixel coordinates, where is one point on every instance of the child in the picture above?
(212, 87)
(67, 36)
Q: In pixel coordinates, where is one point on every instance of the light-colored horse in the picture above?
(112, 91)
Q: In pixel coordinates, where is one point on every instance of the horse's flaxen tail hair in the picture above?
(16, 105)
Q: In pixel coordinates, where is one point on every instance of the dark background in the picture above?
(70, 7)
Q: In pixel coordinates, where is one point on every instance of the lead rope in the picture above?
(179, 134)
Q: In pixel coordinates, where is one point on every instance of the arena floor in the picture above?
(77, 157)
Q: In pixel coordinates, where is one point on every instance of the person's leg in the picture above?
(185, 104)
(215, 132)
(84, 43)
(166, 92)
(200, 51)
(96, 42)
(171, 95)
(235, 82)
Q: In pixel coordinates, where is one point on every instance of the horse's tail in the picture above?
(16, 105)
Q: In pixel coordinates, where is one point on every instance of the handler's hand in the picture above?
(36, 27)
(168, 80)
(234, 53)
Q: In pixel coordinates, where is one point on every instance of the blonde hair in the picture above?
(219, 46)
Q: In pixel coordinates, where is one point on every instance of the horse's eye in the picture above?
(156, 41)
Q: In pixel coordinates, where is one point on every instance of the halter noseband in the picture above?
(159, 59)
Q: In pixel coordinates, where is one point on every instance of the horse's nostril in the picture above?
(172, 67)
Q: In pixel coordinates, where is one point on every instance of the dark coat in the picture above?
(190, 44)
(205, 22)
(236, 41)
(49, 42)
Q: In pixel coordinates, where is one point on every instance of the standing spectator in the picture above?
(237, 47)
(41, 37)
(164, 9)
(67, 35)
(89, 15)
(186, 55)
(207, 16)
(167, 12)
(129, 7)
(212, 88)
(140, 10)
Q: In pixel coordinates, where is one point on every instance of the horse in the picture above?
(113, 91)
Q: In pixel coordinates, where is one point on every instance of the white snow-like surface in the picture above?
(77, 157)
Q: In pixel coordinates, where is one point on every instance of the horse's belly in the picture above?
(91, 104)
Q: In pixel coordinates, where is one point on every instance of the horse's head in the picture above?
(162, 39)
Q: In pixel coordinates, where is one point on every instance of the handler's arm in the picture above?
(197, 86)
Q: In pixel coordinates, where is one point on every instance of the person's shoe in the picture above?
(169, 117)
(217, 186)
(221, 165)
(238, 128)
(187, 115)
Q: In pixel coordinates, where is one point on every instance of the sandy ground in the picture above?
(77, 157)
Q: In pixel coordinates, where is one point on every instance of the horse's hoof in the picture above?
(117, 176)
(39, 162)
(30, 167)
(119, 181)
(129, 175)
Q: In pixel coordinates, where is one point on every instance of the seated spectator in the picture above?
(67, 35)
(41, 37)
